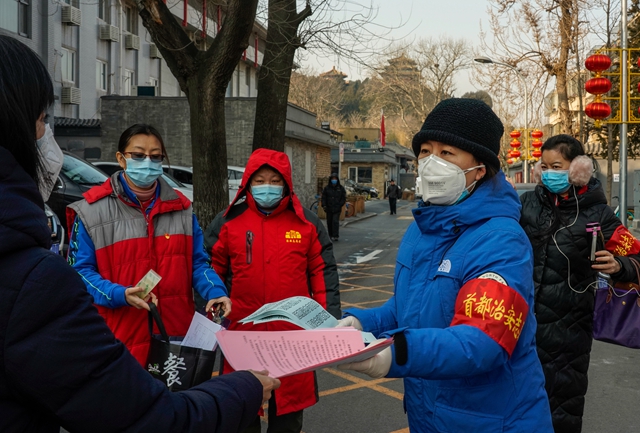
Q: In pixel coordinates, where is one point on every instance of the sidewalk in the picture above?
(358, 217)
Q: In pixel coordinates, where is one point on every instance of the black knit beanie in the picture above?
(468, 124)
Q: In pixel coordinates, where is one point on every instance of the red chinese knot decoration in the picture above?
(598, 86)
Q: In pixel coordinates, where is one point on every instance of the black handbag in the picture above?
(179, 367)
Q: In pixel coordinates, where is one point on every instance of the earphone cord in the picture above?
(563, 254)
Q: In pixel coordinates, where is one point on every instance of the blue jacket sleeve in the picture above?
(205, 280)
(82, 256)
(377, 320)
(90, 382)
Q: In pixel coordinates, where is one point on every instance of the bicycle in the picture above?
(350, 210)
(630, 213)
(314, 206)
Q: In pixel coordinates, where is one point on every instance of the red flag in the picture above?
(383, 132)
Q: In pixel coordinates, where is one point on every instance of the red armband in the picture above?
(494, 308)
(622, 242)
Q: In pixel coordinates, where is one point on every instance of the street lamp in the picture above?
(525, 160)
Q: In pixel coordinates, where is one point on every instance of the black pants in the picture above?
(333, 224)
(392, 205)
(288, 423)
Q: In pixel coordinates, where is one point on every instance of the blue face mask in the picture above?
(267, 196)
(556, 181)
(334, 181)
(143, 173)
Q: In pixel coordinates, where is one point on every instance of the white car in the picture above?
(418, 192)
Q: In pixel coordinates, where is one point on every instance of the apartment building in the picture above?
(100, 47)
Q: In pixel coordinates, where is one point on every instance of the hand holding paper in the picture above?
(375, 367)
(350, 321)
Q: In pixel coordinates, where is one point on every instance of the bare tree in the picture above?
(203, 74)
(409, 82)
(537, 36)
(323, 96)
(316, 27)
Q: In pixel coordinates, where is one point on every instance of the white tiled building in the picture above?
(100, 47)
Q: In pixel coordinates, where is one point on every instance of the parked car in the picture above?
(76, 177)
(185, 176)
(418, 190)
(57, 231)
(369, 191)
(111, 167)
(521, 188)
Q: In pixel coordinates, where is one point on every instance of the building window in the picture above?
(74, 3)
(15, 16)
(103, 10)
(131, 20)
(229, 88)
(129, 82)
(101, 75)
(68, 65)
(361, 174)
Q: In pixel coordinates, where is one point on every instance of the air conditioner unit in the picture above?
(132, 42)
(71, 15)
(154, 52)
(71, 95)
(109, 33)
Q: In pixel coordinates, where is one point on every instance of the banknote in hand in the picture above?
(148, 282)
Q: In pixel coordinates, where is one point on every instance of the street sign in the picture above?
(341, 152)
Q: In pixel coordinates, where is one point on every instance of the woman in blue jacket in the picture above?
(462, 313)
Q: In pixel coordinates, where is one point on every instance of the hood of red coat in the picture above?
(278, 161)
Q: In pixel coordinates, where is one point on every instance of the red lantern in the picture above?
(515, 154)
(598, 110)
(598, 85)
(536, 153)
(537, 134)
(638, 63)
(536, 143)
(597, 63)
(510, 161)
(515, 134)
(514, 143)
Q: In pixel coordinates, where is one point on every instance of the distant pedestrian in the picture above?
(556, 216)
(394, 192)
(334, 196)
(462, 316)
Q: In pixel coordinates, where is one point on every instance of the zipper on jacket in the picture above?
(249, 246)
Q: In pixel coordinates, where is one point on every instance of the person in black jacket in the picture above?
(393, 194)
(334, 196)
(555, 217)
(60, 365)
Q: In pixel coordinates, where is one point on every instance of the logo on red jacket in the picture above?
(293, 237)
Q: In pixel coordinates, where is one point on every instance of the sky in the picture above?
(458, 19)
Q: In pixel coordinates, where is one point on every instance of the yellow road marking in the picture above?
(371, 384)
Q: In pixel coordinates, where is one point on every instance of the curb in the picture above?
(364, 217)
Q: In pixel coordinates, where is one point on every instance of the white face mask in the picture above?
(52, 159)
(443, 183)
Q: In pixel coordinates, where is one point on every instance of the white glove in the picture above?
(349, 321)
(377, 366)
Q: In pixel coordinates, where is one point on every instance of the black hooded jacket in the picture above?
(564, 291)
(334, 197)
(60, 365)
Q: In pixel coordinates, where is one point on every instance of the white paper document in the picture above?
(299, 310)
(284, 353)
(202, 333)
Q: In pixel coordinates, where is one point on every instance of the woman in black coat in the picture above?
(555, 217)
(60, 365)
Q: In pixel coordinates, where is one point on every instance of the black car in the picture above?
(369, 191)
(76, 177)
(57, 231)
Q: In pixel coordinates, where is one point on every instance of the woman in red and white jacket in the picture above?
(268, 248)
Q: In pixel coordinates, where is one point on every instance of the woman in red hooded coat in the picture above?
(268, 248)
